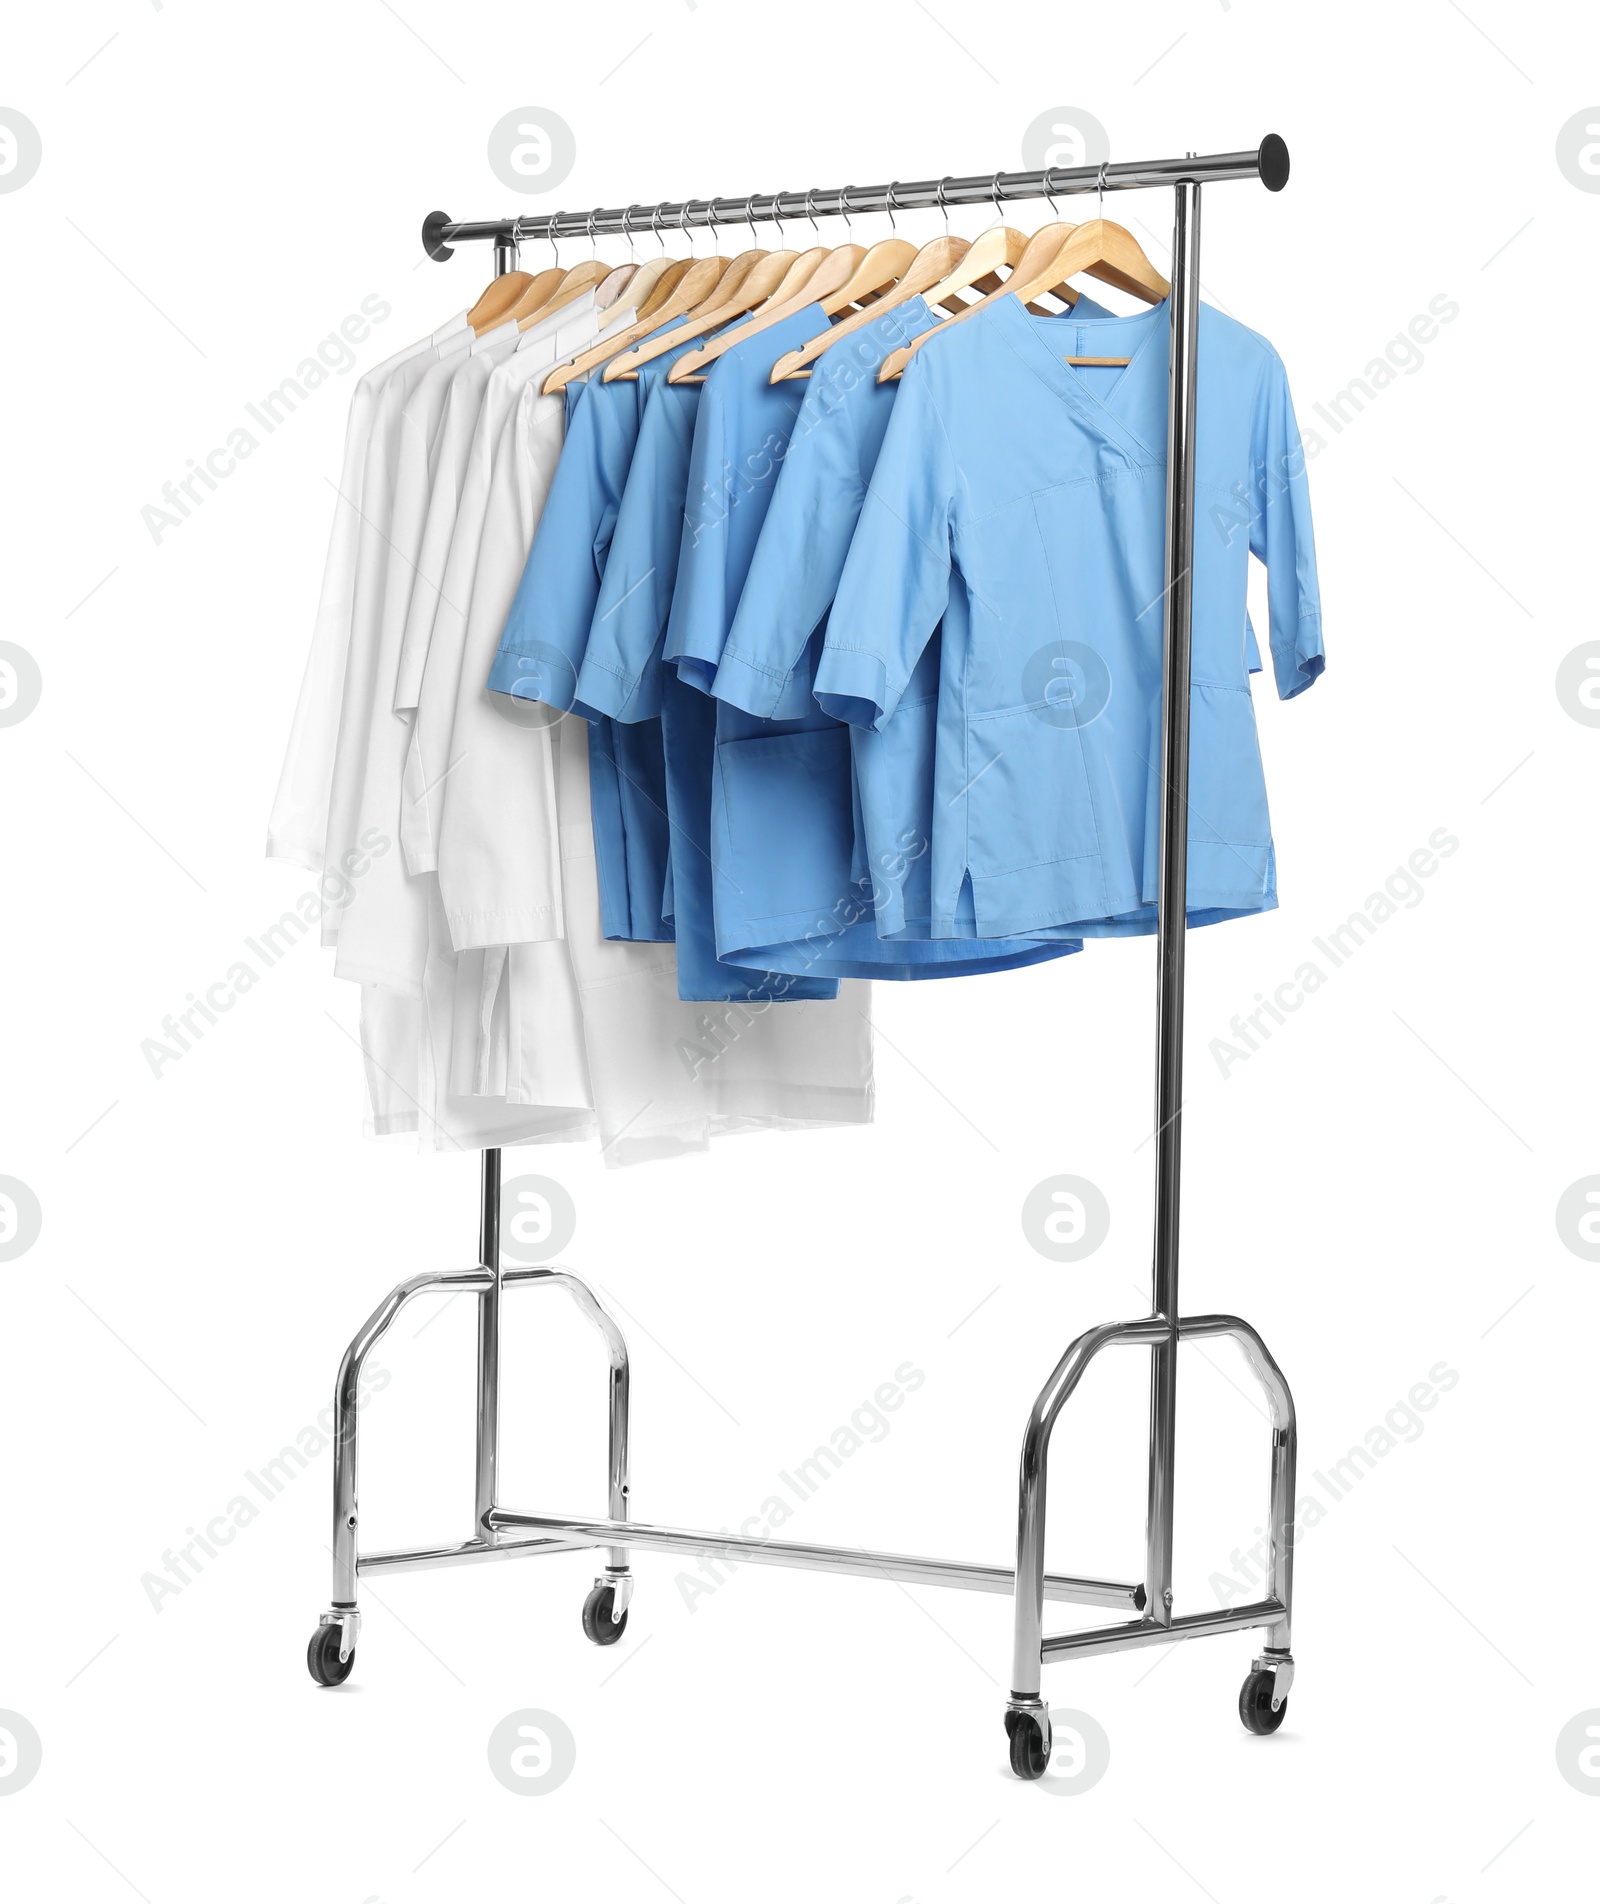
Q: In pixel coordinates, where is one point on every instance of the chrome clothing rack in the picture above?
(498, 1533)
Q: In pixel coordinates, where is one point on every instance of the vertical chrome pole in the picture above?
(505, 256)
(488, 1347)
(1171, 913)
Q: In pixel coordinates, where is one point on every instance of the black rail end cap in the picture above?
(434, 224)
(1273, 159)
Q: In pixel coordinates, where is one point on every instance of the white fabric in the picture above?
(298, 829)
(429, 759)
(493, 1011)
(668, 1076)
(371, 571)
(383, 932)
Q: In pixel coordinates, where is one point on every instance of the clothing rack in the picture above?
(499, 1533)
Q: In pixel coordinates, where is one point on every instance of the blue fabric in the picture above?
(783, 835)
(542, 644)
(1023, 501)
(623, 675)
(766, 664)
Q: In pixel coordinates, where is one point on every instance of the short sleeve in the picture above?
(896, 579)
(542, 645)
(703, 600)
(1280, 536)
(621, 668)
(799, 559)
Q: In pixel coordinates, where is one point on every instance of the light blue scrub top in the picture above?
(542, 646)
(623, 675)
(771, 506)
(766, 664)
(1023, 500)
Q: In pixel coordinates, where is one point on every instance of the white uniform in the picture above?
(298, 830)
(493, 1010)
(371, 572)
(383, 934)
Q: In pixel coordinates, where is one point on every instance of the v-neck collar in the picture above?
(1148, 330)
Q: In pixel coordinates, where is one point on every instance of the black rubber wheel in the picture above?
(1255, 1704)
(322, 1657)
(1029, 1758)
(598, 1624)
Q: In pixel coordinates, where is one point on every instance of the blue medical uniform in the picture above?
(623, 675)
(765, 666)
(790, 889)
(542, 645)
(781, 819)
(1023, 500)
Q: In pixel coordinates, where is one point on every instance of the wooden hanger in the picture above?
(645, 288)
(697, 279)
(542, 287)
(884, 265)
(767, 272)
(496, 303)
(1041, 266)
(978, 267)
(611, 287)
(1112, 253)
(1032, 272)
(933, 263)
(580, 278)
(808, 282)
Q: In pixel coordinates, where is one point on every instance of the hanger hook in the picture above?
(943, 207)
(777, 218)
(554, 236)
(888, 205)
(844, 210)
(655, 230)
(994, 193)
(1100, 187)
(750, 220)
(683, 226)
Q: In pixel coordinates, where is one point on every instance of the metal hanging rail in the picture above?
(499, 1533)
(1269, 163)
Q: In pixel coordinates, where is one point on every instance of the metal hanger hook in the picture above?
(844, 210)
(594, 250)
(816, 228)
(1100, 188)
(750, 220)
(683, 226)
(943, 207)
(655, 229)
(888, 206)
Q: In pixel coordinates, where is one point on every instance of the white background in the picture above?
(1375, 1187)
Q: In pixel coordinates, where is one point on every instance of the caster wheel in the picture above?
(1030, 1752)
(1255, 1704)
(322, 1658)
(598, 1624)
